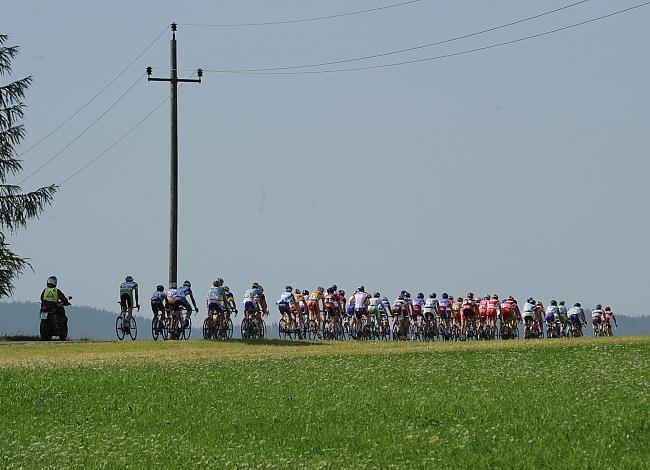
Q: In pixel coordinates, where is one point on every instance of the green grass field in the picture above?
(526, 404)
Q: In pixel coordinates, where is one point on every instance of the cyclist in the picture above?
(51, 296)
(562, 313)
(431, 307)
(229, 299)
(332, 307)
(315, 301)
(255, 302)
(418, 306)
(551, 314)
(577, 315)
(597, 318)
(609, 314)
(539, 318)
(169, 302)
(127, 290)
(529, 313)
(444, 308)
(341, 299)
(468, 312)
(285, 302)
(180, 300)
(361, 301)
(455, 313)
(216, 299)
(493, 311)
(158, 299)
(508, 311)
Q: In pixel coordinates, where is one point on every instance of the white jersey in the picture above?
(419, 302)
(430, 304)
(529, 310)
(596, 313)
(551, 310)
(286, 298)
(215, 295)
(360, 300)
(252, 295)
(400, 303)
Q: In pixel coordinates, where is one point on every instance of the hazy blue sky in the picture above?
(521, 170)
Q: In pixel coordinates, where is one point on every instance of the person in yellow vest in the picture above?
(51, 296)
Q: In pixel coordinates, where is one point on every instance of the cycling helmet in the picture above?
(608, 309)
(553, 302)
(361, 289)
(384, 299)
(511, 298)
(562, 302)
(539, 302)
(297, 291)
(341, 292)
(321, 290)
(495, 297)
(187, 284)
(160, 288)
(173, 285)
(577, 304)
(215, 283)
(129, 279)
(377, 295)
(305, 292)
(407, 295)
(334, 287)
(51, 281)
(330, 290)
(445, 295)
(288, 289)
(470, 295)
(420, 295)
(226, 289)
(599, 307)
(255, 286)
(402, 293)
(432, 296)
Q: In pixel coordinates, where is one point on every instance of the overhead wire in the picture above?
(128, 66)
(79, 136)
(422, 46)
(443, 56)
(301, 20)
(120, 139)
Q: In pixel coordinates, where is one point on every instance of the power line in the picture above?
(444, 56)
(97, 94)
(110, 147)
(69, 144)
(301, 20)
(120, 139)
(423, 46)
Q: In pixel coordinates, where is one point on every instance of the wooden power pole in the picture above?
(173, 175)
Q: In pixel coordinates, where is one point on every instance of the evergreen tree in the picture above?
(16, 207)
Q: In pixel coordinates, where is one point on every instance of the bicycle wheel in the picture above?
(133, 329)
(229, 329)
(119, 327)
(262, 329)
(207, 330)
(187, 327)
(155, 332)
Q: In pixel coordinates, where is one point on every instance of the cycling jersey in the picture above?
(596, 314)
(562, 311)
(181, 293)
(529, 310)
(360, 300)
(507, 307)
(483, 307)
(158, 297)
(492, 307)
(286, 298)
(575, 313)
(331, 301)
(252, 296)
(455, 309)
(127, 288)
(315, 296)
(170, 295)
(216, 295)
(551, 311)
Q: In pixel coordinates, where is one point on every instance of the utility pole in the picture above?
(173, 174)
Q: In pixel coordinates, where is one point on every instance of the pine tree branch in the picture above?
(17, 209)
(11, 266)
(14, 92)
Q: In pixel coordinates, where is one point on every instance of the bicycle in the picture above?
(218, 325)
(176, 326)
(158, 326)
(253, 327)
(123, 326)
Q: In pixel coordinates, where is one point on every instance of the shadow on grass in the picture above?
(277, 342)
(19, 338)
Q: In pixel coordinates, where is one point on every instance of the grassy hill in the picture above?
(534, 404)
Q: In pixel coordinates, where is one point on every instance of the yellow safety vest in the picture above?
(51, 294)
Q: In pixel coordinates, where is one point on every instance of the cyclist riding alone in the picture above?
(158, 299)
(180, 300)
(129, 289)
(52, 299)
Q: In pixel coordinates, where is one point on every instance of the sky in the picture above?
(518, 170)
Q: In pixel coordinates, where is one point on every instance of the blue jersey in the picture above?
(158, 297)
(182, 292)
